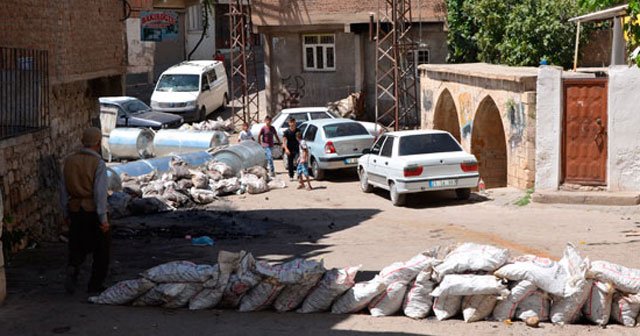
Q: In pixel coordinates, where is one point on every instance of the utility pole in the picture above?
(244, 75)
(396, 83)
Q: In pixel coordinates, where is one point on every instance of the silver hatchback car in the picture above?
(335, 144)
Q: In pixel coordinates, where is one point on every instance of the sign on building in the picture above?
(158, 26)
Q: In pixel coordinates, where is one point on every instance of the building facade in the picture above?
(56, 59)
(322, 52)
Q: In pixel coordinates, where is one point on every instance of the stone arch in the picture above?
(445, 117)
(489, 145)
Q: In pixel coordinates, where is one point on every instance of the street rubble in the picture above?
(210, 125)
(475, 282)
(185, 187)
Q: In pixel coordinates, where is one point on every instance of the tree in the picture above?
(512, 32)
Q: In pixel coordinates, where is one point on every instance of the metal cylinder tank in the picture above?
(241, 156)
(131, 143)
(168, 142)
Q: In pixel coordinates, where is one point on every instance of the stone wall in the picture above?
(30, 165)
(494, 114)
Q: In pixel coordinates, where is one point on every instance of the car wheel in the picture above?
(203, 114)
(225, 100)
(396, 198)
(364, 181)
(318, 173)
(463, 194)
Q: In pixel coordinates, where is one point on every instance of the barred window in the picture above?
(319, 52)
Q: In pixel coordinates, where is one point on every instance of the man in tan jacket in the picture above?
(84, 204)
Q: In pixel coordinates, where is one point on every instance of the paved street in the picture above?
(334, 222)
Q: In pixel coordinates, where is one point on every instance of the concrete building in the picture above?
(57, 58)
(322, 49)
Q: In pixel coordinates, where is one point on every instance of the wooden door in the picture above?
(585, 131)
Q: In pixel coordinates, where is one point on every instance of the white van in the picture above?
(192, 89)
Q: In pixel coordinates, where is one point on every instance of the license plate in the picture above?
(351, 161)
(443, 183)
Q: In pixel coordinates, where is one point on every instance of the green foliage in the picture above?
(512, 32)
(526, 199)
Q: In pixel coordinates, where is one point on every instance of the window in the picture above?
(302, 128)
(423, 57)
(319, 115)
(178, 83)
(194, 18)
(311, 133)
(376, 147)
(428, 143)
(299, 117)
(319, 52)
(344, 130)
(136, 106)
(211, 75)
(387, 149)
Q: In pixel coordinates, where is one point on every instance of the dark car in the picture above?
(132, 112)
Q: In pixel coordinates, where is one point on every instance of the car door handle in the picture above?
(386, 163)
(374, 161)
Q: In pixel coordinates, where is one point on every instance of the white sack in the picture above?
(199, 180)
(254, 184)
(292, 296)
(261, 296)
(228, 186)
(171, 295)
(470, 284)
(445, 307)
(625, 308)
(478, 307)
(405, 272)
(390, 301)
(222, 168)
(624, 279)
(292, 272)
(358, 297)
(470, 257)
(333, 284)
(202, 196)
(567, 310)
(123, 292)
(179, 271)
(417, 304)
(555, 278)
(506, 309)
(241, 281)
(214, 288)
(598, 306)
(277, 183)
(536, 304)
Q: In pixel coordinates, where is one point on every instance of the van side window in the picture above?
(212, 76)
(204, 83)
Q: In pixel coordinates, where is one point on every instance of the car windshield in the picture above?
(178, 83)
(427, 144)
(136, 106)
(344, 130)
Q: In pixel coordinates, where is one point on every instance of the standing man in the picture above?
(265, 138)
(291, 146)
(84, 204)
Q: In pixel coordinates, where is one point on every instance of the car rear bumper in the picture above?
(338, 162)
(440, 183)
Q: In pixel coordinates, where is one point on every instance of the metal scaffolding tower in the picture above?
(244, 76)
(396, 85)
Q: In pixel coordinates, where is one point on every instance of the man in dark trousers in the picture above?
(291, 146)
(84, 204)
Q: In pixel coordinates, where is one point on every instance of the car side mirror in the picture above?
(366, 151)
(206, 87)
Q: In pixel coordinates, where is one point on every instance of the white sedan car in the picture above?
(304, 114)
(416, 161)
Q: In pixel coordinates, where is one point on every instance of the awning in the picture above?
(602, 15)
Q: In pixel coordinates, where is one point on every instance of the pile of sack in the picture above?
(476, 282)
(185, 187)
(210, 125)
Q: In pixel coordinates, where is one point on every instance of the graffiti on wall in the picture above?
(466, 114)
(517, 122)
(427, 100)
(292, 91)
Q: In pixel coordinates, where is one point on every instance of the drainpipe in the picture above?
(617, 43)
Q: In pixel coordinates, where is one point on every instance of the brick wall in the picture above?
(304, 12)
(84, 37)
